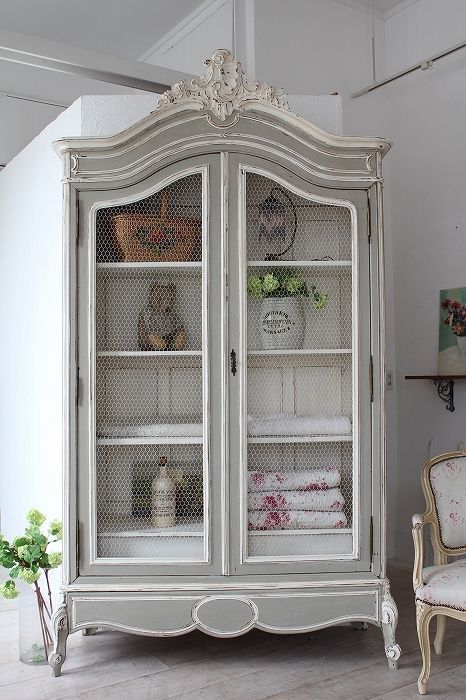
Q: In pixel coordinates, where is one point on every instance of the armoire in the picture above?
(224, 318)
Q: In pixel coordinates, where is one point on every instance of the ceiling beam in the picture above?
(51, 55)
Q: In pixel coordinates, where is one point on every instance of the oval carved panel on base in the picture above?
(225, 616)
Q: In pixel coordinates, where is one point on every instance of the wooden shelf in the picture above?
(141, 527)
(444, 383)
(169, 440)
(147, 265)
(304, 531)
(346, 264)
(150, 353)
(435, 376)
(323, 351)
(298, 439)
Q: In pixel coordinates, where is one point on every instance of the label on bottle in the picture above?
(164, 503)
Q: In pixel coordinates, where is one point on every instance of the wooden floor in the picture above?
(339, 662)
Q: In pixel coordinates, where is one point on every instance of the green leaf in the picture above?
(8, 561)
(13, 573)
(30, 553)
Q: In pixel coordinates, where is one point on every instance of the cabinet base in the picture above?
(227, 613)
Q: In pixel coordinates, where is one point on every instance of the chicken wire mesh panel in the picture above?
(284, 226)
(146, 309)
(150, 501)
(299, 376)
(299, 499)
(149, 397)
(165, 226)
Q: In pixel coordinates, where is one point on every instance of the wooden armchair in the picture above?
(440, 589)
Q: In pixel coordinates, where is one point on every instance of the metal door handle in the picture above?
(233, 362)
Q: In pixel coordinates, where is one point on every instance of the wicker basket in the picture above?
(151, 238)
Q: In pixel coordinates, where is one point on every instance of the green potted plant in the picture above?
(282, 321)
(27, 558)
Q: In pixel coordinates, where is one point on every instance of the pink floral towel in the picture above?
(330, 499)
(308, 480)
(294, 520)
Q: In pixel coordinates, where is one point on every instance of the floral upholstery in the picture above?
(444, 585)
(448, 483)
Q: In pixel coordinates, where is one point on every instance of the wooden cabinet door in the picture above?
(150, 372)
(300, 400)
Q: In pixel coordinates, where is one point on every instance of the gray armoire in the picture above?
(224, 398)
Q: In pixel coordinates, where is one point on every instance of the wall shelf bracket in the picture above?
(444, 384)
(445, 391)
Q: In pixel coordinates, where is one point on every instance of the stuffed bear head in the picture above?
(162, 297)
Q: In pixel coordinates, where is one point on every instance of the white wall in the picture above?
(31, 307)
(20, 122)
(31, 322)
(209, 31)
(421, 30)
(427, 186)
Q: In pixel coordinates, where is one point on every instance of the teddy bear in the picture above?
(159, 326)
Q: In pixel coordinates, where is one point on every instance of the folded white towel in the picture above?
(151, 430)
(290, 424)
(331, 500)
(306, 480)
(294, 520)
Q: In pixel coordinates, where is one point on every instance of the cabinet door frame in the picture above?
(357, 202)
(213, 293)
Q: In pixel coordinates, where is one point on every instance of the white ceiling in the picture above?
(124, 28)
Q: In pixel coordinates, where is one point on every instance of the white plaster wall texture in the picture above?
(20, 122)
(189, 54)
(31, 323)
(428, 224)
(423, 29)
(31, 272)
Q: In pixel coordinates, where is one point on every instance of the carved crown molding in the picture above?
(223, 88)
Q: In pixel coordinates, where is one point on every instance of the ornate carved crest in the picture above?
(223, 88)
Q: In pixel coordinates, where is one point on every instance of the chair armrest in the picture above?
(418, 524)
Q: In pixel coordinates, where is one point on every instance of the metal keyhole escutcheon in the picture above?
(233, 362)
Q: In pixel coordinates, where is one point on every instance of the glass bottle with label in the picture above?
(163, 498)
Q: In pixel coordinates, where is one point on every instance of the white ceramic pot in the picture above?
(282, 323)
(461, 342)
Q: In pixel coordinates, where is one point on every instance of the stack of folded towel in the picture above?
(150, 430)
(295, 500)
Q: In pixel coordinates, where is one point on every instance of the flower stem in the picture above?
(49, 590)
(43, 625)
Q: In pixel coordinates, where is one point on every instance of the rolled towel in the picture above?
(151, 430)
(306, 480)
(290, 424)
(294, 520)
(323, 500)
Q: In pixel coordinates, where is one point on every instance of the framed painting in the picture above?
(452, 331)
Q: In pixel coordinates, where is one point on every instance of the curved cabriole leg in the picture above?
(60, 629)
(389, 622)
(423, 618)
(89, 631)
(440, 633)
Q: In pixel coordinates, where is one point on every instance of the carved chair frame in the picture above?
(425, 611)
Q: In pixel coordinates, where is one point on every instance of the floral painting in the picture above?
(452, 333)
